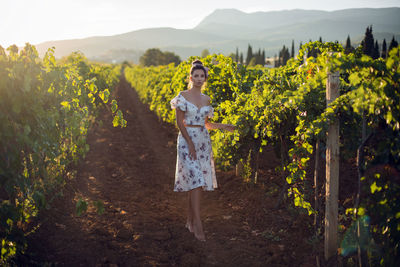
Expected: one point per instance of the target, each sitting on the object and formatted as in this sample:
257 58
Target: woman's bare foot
198 232
189 226
201 238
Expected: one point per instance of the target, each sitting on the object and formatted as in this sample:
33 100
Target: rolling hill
224 30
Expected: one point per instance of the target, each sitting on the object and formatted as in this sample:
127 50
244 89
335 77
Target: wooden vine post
332 172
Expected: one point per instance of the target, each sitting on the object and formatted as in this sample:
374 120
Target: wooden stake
332 172
239 168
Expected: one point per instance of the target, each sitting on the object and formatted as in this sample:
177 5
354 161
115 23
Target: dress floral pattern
190 173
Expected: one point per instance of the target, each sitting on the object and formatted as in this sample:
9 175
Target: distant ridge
224 30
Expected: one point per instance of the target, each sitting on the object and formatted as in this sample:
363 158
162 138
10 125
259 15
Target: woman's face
198 78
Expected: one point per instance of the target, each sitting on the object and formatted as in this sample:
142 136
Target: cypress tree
237 55
375 52
241 58
393 44
258 57
292 50
263 57
384 49
249 54
368 46
348 49
284 55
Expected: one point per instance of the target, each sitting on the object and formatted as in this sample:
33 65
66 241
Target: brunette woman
195 166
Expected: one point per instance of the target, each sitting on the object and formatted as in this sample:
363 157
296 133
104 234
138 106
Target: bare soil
131 171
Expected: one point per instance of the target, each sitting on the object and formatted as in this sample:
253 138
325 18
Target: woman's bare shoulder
206 98
184 92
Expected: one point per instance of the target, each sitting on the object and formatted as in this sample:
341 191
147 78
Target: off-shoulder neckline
180 93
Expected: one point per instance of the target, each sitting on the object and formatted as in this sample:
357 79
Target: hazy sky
36 21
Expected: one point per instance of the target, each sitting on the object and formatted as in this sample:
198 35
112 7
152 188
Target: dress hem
204 189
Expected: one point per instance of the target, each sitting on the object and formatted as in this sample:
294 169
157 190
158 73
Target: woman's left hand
229 127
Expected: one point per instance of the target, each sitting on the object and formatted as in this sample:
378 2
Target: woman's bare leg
197 226
189 222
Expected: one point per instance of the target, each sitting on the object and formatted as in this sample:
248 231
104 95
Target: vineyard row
286 108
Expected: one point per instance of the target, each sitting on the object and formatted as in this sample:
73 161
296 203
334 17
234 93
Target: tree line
370 47
155 57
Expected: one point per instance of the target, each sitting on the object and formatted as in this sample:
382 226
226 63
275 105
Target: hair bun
197 62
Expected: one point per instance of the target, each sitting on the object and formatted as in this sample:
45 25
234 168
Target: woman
195 166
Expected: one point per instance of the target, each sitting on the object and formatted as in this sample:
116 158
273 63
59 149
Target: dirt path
132 171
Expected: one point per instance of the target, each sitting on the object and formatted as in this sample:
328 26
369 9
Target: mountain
224 30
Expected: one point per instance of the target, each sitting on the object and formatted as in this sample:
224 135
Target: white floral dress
190 173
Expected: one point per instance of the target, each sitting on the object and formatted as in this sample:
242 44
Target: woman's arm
180 116
216 126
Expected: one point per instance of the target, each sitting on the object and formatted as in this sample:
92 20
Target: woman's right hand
192 151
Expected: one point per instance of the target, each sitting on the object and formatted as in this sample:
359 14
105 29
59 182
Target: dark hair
198 65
